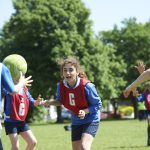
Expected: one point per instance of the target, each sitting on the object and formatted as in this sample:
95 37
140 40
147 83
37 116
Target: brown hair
82 75
73 61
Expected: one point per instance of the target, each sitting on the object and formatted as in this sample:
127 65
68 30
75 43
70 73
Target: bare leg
76 145
83 144
14 141
30 139
148 130
1 145
87 140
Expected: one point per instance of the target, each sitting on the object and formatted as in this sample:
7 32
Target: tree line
45 31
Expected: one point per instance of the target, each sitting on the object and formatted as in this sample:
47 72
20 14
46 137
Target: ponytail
82 75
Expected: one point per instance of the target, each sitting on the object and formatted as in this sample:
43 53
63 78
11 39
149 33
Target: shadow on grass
126 147
66 122
48 123
113 119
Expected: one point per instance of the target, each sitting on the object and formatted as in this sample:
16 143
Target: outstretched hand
25 81
140 67
22 83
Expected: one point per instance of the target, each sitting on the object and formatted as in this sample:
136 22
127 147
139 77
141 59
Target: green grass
112 135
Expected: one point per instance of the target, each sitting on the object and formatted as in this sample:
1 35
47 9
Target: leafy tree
43 31
132 43
105 70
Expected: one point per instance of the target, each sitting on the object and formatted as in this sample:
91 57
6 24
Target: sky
104 13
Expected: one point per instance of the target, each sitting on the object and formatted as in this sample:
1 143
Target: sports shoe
67 128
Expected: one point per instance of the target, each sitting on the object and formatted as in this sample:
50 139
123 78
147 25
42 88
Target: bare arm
55 103
142 78
52 102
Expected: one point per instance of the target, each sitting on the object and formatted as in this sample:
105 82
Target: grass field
112 135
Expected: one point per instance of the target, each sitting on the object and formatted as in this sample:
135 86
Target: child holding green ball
16 106
7 83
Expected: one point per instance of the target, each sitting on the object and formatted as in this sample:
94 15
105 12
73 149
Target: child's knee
34 143
15 147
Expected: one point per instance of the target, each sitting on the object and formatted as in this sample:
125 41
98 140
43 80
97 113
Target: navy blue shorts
78 130
15 127
148 113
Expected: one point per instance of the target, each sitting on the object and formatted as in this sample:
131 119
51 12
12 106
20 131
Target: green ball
16 64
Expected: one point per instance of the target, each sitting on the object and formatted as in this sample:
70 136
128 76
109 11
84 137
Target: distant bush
126 110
